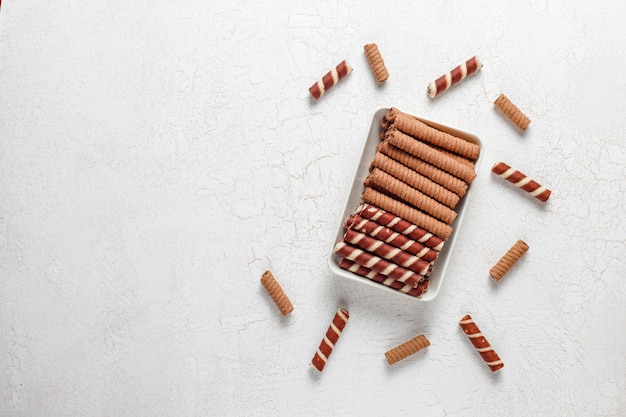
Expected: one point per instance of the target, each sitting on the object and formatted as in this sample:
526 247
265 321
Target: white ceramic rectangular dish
354 199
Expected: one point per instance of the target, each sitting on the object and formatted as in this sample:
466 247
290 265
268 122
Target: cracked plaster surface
157 157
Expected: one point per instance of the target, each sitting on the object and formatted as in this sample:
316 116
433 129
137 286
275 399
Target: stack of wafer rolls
417 178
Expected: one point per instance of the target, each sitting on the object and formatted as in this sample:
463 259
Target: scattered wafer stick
452 183
406 212
430 155
453 77
406 349
376 62
522 181
275 291
330 339
480 343
512 112
384 280
331 78
420 130
508 260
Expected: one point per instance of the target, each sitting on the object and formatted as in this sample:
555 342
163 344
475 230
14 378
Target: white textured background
156 157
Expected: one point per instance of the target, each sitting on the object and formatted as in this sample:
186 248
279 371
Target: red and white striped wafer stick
401 226
331 78
330 339
381 279
455 76
480 343
378 264
386 251
522 181
387 235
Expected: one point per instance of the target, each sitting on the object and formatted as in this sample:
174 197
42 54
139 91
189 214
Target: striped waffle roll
480 343
330 339
522 181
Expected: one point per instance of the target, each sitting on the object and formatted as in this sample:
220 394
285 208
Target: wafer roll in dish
437 175
430 155
420 130
414 179
386 251
400 225
460 159
378 264
406 212
384 182
384 280
390 237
